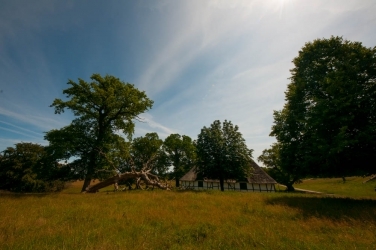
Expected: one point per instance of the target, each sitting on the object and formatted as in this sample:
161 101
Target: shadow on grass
22 195
194 191
330 207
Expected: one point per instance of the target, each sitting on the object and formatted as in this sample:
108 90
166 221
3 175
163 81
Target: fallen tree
144 175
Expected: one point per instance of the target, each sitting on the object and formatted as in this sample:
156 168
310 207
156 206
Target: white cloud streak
18 132
23 129
42 122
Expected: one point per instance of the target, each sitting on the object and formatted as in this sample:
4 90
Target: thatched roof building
258 181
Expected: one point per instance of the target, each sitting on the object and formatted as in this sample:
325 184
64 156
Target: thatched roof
191 175
258 176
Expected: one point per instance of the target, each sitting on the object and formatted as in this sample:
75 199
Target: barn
258 181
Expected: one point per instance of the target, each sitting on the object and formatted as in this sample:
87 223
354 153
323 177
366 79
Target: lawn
186 220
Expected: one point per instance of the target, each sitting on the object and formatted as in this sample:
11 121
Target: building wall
245 187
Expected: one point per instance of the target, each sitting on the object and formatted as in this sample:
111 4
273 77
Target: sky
198 60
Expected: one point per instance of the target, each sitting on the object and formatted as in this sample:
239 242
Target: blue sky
199 60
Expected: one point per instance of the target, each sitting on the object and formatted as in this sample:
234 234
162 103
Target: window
200 184
243 186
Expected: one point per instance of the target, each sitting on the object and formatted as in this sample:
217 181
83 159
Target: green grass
353 187
185 220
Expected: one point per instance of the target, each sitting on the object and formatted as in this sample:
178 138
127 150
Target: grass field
353 187
190 220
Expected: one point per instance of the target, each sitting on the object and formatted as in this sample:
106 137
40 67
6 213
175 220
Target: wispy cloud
199 31
155 126
22 129
18 132
42 122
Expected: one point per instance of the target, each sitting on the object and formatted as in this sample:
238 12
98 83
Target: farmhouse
258 181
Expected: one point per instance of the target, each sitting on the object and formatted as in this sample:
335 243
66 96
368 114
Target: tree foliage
222 153
28 168
147 150
271 159
145 164
328 124
181 154
102 108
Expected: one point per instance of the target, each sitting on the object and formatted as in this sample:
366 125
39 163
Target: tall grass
353 187
185 220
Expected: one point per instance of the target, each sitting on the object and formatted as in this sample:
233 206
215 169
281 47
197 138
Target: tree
28 168
102 107
146 160
328 124
222 153
146 151
271 159
181 154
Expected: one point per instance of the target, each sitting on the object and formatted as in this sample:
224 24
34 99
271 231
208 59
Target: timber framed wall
242 186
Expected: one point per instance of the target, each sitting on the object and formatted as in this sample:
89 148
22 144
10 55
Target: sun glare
280 5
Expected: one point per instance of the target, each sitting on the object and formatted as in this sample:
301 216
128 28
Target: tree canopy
28 168
328 124
103 108
147 150
287 175
181 154
222 153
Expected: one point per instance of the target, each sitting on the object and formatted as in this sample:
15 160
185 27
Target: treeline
29 167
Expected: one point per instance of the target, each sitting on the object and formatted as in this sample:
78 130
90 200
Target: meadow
191 220
353 187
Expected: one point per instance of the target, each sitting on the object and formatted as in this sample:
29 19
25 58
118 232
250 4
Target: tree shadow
330 207
23 195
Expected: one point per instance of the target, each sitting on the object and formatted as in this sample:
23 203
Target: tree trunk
290 187
221 182
86 183
177 181
88 178
90 171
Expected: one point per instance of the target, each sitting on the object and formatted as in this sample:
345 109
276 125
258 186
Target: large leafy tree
328 124
222 153
75 142
103 108
27 167
181 154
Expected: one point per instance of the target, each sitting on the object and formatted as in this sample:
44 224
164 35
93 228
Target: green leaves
146 150
103 108
28 168
222 152
181 154
107 101
327 126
